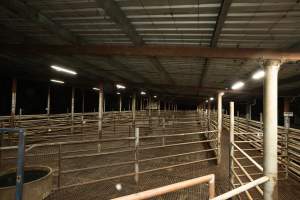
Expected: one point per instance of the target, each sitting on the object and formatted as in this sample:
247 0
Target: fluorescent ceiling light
119 86
97 89
57 81
143 93
206 101
155 97
211 98
61 69
258 75
238 85
118 93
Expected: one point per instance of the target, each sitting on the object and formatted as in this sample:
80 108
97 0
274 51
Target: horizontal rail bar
172 188
242 188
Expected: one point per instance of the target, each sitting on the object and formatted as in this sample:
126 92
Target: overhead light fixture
154 96
237 85
57 81
211 98
97 89
143 93
119 86
61 69
118 93
258 75
206 101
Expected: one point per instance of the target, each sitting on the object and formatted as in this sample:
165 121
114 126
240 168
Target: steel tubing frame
210 179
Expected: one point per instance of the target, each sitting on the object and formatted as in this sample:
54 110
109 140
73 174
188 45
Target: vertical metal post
104 104
13 101
141 103
20 165
238 121
261 121
286 108
82 110
136 155
149 112
220 95
72 109
158 107
270 129
48 102
208 115
129 104
231 147
120 103
59 166
100 114
133 102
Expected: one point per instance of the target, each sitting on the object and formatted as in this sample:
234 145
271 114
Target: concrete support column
72 109
13 101
270 128
220 95
120 103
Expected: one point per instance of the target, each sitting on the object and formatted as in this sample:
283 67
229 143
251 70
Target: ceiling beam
163 72
25 11
115 13
225 5
289 80
22 10
121 66
158 50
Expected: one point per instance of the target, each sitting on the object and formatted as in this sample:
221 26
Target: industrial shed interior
149 99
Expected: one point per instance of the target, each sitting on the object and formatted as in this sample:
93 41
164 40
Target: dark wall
32 98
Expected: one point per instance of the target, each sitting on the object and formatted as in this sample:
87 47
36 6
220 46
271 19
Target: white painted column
48 105
136 154
208 114
48 101
133 106
231 147
220 95
72 109
13 101
120 103
100 114
286 108
270 128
